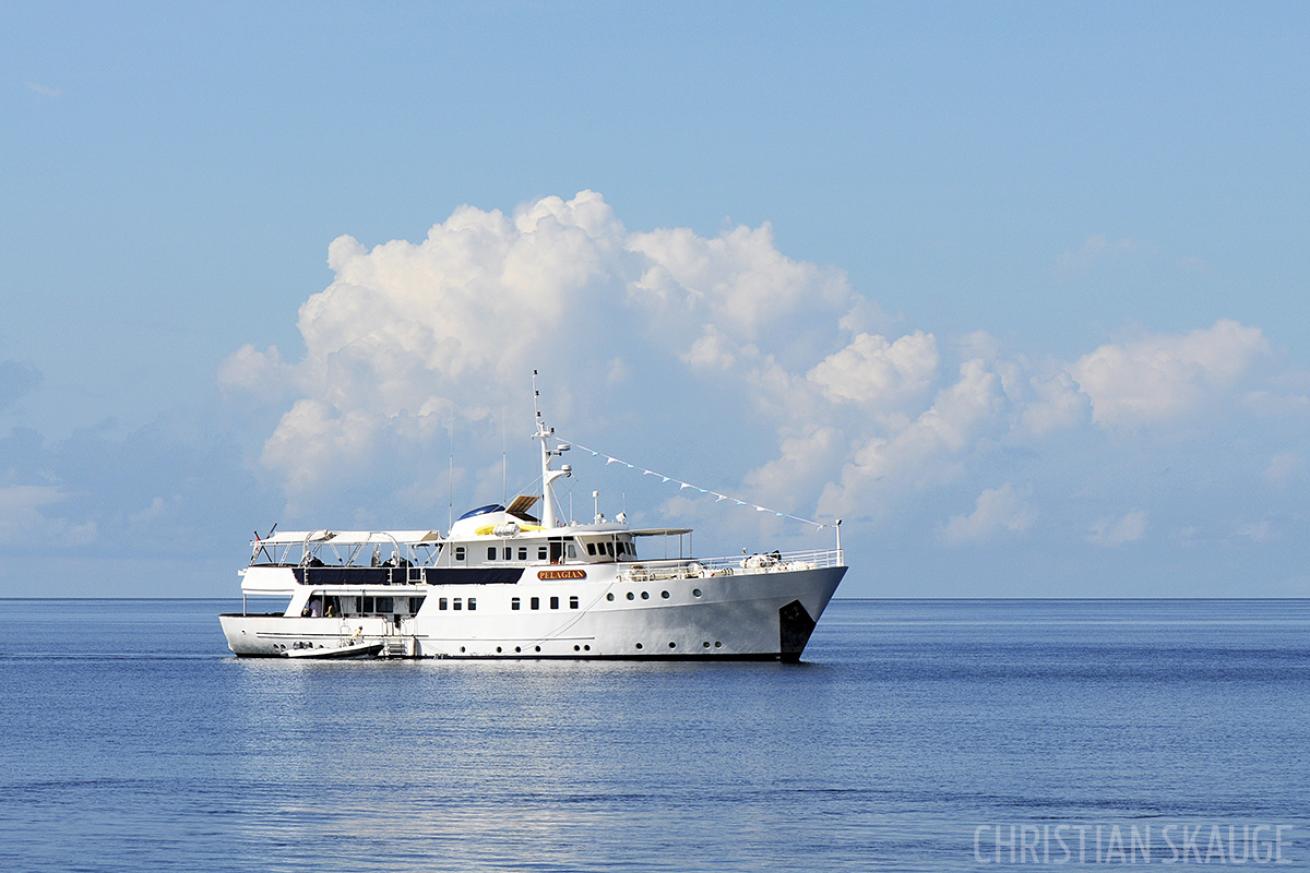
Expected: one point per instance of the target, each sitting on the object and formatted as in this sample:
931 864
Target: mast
548 476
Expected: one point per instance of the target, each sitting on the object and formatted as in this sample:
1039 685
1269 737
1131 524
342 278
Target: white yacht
503 583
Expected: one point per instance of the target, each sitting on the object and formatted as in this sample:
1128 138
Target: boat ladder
397 647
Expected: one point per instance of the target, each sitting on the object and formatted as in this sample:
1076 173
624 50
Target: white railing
737 565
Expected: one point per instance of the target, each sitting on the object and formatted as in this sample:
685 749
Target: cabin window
571 550
366 605
491 553
523 553
535 603
541 553
591 548
509 554
609 549
383 604
459 604
459 553
554 603
415 603
573 603
514 603
473 604
443 603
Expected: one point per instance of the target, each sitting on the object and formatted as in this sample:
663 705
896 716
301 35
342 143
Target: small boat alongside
503 583
345 650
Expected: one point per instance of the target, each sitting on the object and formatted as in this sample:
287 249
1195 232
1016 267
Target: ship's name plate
561 574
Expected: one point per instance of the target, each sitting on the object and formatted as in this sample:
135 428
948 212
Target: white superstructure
502 583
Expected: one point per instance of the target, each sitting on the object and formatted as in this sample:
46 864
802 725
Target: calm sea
920 735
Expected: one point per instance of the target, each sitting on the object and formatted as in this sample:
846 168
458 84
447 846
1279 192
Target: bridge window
535 603
573 603
509 554
514 603
459 604
554 603
541 553
523 553
459 553
491 553
571 550
442 603
473 603
591 548
414 605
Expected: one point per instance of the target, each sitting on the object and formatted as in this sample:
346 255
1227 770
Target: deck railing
736 565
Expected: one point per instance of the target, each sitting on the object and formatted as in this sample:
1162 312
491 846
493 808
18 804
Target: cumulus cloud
409 336
996 511
24 519
875 372
1116 531
411 340
924 448
1160 377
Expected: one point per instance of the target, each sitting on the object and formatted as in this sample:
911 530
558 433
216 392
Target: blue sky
1018 289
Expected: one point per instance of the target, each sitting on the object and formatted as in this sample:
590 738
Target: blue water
130 740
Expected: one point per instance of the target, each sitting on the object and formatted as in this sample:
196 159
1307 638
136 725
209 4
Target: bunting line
682 486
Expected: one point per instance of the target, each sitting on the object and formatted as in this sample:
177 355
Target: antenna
504 461
536 399
450 481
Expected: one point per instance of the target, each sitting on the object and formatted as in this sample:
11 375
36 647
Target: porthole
639 645
517 649
673 645
706 644
609 596
631 596
577 648
497 650
461 650
586 648
717 644
538 648
645 595
695 592
664 594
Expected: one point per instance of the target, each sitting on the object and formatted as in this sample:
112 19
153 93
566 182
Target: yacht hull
757 616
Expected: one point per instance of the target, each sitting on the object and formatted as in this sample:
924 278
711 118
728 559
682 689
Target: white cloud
873 372
1161 377
410 339
44 90
1055 404
24 520
1283 468
996 511
923 448
258 372
711 350
1094 249
739 280
1257 531
1116 531
409 335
